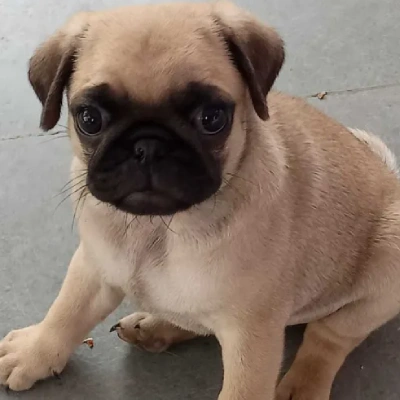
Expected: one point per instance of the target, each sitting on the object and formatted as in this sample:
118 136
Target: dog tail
378 147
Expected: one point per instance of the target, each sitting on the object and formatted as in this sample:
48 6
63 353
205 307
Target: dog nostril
149 150
140 153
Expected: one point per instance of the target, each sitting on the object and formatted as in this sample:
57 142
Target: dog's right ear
51 66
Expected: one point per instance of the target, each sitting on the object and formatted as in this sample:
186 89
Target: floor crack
353 90
29 135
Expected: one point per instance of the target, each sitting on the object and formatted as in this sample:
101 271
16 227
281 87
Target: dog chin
151 203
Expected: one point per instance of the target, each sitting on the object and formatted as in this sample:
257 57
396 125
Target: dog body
257 213
181 274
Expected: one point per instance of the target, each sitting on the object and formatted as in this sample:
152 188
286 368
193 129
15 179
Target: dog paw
149 332
143 330
299 387
29 355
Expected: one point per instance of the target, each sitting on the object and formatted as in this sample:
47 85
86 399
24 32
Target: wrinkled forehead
149 58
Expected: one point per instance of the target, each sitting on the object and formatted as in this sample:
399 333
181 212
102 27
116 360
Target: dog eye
212 120
89 120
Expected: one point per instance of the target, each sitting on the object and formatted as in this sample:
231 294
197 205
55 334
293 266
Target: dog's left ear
256 49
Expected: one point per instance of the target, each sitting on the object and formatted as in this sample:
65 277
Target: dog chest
186 282
180 279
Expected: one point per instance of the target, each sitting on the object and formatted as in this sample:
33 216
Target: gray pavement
347 47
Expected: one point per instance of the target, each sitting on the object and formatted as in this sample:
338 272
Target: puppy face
158 98
153 158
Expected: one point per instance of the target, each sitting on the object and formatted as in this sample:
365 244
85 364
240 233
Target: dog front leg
42 350
252 352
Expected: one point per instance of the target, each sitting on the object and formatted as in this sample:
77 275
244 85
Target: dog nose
149 150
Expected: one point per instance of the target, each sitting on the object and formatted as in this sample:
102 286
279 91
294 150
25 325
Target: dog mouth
150 202
144 200
159 190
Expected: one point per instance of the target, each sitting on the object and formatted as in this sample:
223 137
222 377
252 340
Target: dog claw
115 327
56 375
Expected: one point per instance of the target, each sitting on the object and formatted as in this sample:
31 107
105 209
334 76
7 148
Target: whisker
72 179
138 220
83 203
167 225
240 177
73 186
170 222
77 207
126 224
231 186
67 197
134 218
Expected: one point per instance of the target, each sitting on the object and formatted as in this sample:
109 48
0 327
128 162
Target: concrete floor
347 47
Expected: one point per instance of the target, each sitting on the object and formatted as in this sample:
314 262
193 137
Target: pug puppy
219 207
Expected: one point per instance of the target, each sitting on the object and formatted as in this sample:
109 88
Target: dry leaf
321 95
89 342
